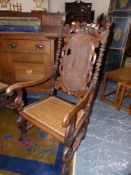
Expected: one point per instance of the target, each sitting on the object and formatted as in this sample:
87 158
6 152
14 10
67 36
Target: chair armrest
88 96
10 90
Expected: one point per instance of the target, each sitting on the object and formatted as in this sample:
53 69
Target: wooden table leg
117 95
121 96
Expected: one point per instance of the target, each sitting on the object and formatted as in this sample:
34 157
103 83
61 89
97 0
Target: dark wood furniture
79 11
122 77
76 72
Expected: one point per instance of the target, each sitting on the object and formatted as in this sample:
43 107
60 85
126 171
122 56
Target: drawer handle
12 45
39 46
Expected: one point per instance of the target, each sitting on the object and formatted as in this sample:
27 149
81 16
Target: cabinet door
30 66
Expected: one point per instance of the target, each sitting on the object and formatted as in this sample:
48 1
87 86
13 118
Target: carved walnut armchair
76 72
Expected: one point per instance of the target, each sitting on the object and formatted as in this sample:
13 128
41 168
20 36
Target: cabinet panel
29 71
7 75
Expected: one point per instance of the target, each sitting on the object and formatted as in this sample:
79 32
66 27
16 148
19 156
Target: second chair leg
66 160
122 93
103 88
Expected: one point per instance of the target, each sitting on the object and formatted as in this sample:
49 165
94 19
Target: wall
58 5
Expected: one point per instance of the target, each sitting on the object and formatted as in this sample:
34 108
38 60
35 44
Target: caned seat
49 114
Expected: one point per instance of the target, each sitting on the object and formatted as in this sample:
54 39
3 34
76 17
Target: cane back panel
75 70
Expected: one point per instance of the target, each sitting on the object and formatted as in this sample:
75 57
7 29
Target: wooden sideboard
26 56
29 55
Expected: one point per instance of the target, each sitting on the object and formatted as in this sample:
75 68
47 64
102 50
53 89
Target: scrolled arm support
17 90
10 90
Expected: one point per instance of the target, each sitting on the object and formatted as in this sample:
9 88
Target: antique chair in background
76 73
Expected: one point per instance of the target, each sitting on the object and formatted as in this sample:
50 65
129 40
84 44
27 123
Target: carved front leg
22 125
67 156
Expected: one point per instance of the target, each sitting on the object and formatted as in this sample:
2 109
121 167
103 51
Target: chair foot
67 156
65 169
22 125
70 149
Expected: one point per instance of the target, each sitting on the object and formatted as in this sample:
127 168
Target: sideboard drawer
39 46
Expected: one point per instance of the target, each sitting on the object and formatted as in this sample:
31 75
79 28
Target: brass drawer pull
12 45
39 46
